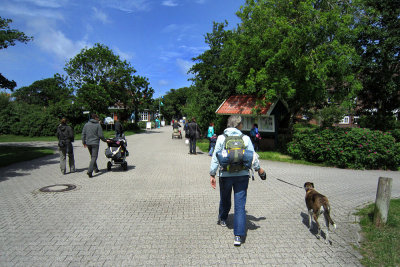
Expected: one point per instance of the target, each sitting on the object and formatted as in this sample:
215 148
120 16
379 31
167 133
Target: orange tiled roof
241 105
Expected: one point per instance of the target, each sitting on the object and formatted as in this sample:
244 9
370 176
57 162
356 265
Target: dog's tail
327 213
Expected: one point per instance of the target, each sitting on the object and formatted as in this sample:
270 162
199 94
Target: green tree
175 101
295 51
140 95
99 77
8 37
378 44
44 92
211 83
4 99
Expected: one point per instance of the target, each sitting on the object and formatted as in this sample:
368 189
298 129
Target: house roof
242 105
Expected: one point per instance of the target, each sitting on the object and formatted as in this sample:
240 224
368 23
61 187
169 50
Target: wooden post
382 201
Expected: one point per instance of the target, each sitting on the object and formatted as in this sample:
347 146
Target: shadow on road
314 229
14 170
250 225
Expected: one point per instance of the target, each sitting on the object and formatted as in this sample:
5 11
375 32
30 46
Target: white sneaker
238 241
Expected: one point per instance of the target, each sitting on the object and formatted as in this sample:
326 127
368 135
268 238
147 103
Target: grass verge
17 138
14 154
381 245
265 155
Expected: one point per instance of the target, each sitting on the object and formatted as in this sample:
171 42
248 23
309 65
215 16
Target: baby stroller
176 133
117 153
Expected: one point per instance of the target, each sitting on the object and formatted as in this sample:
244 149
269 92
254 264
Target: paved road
163 212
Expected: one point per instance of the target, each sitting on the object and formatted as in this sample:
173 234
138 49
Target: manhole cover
58 188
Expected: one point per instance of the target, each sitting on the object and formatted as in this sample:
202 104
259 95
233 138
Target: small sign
86 112
148 125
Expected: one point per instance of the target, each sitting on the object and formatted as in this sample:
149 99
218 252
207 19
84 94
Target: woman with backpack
235 179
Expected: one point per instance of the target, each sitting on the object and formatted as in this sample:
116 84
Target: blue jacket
220 146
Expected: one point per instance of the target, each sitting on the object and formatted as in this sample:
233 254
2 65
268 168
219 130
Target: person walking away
194 134
255 137
210 133
213 141
91 136
238 180
176 125
119 131
65 135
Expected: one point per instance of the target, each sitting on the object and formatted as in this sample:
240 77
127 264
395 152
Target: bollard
382 201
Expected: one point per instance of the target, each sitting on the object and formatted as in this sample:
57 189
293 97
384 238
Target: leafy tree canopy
211 82
140 95
100 78
175 101
8 37
44 92
295 51
378 43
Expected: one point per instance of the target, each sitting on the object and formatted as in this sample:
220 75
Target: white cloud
57 43
170 3
163 82
170 28
124 55
168 55
45 3
184 65
127 5
26 11
100 15
54 41
195 50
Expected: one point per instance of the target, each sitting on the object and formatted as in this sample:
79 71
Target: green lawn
18 138
14 154
266 155
381 246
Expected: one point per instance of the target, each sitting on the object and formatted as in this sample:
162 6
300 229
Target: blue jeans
239 185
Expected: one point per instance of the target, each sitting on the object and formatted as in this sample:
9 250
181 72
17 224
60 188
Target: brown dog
318 204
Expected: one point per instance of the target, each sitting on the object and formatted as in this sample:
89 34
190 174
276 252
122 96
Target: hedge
356 148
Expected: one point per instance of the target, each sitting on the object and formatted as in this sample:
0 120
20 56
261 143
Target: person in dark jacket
91 136
176 125
65 135
118 128
194 133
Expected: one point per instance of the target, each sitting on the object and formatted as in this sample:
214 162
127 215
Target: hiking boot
238 241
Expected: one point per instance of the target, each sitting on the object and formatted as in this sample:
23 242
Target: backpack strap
225 140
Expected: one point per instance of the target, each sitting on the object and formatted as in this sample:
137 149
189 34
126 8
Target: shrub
129 126
142 124
346 148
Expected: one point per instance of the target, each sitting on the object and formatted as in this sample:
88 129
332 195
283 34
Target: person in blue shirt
210 133
238 181
254 135
213 142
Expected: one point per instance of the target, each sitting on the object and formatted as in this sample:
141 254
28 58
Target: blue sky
158 38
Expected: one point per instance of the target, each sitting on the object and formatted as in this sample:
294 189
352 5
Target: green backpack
235 147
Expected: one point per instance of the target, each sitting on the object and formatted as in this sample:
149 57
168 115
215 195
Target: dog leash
289 183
